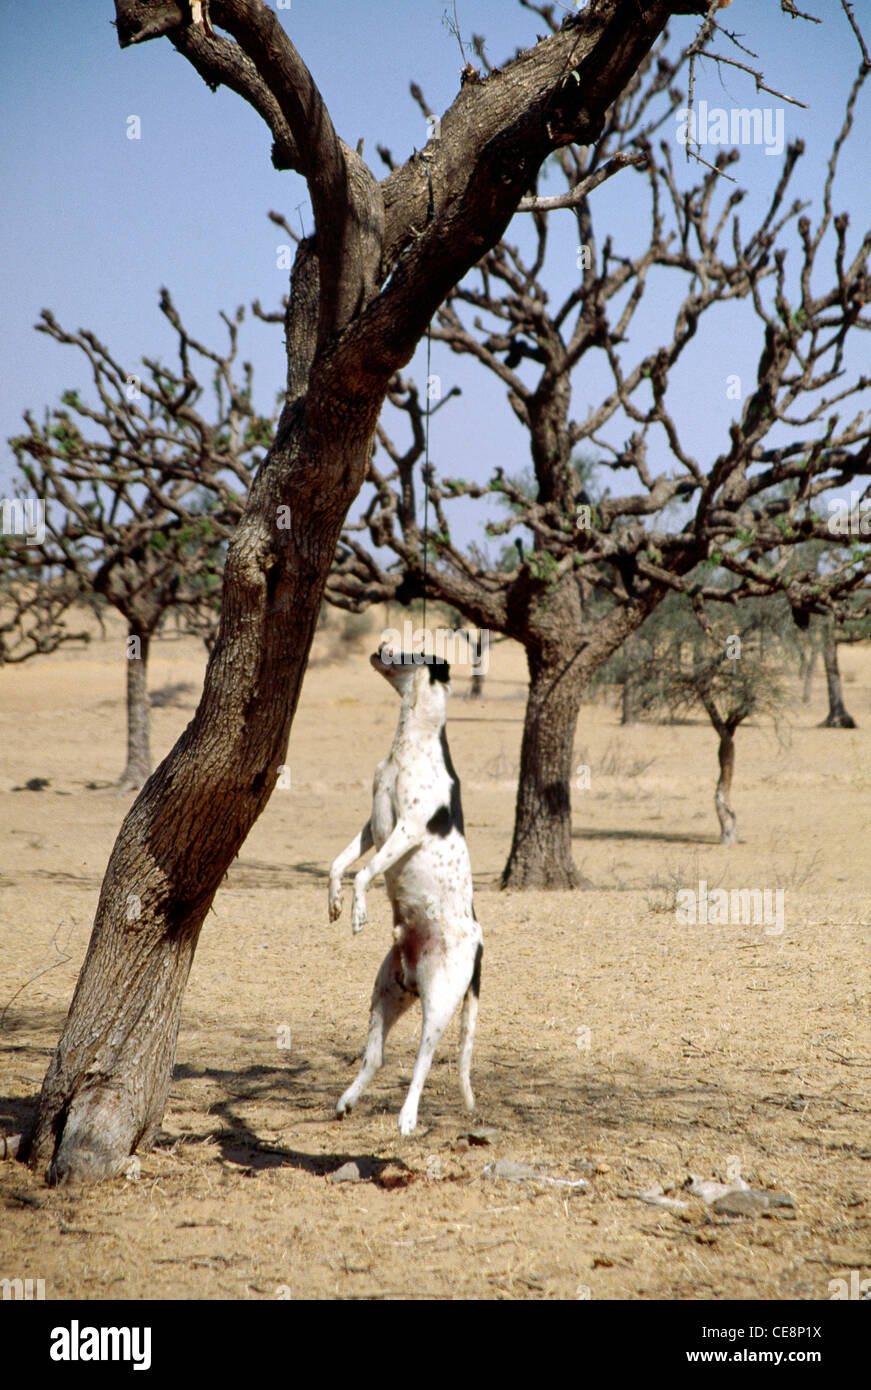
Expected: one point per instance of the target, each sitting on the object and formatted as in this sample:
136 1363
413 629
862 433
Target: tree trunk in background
138 768
722 796
807 673
541 851
837 718
631 712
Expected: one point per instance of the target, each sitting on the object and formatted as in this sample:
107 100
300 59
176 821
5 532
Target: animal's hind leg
441 989
468 1019
390 999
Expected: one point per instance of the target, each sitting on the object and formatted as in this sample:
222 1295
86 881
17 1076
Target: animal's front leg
401 839
358 846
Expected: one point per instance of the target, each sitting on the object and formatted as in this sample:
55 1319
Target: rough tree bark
541 848
838 716
560 670
107 1084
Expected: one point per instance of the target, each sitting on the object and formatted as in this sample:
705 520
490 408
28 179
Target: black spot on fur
439 670
456 805
475 986
440 823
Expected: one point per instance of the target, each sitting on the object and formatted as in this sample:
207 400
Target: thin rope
429 218
426 471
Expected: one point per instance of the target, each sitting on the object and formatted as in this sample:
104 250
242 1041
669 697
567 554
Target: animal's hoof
407 1124
358 918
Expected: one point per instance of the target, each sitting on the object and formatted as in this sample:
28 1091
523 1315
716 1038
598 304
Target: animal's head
400 668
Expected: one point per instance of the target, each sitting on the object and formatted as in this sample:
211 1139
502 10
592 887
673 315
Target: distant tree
838 630
732 662
845 622
142 491
35 605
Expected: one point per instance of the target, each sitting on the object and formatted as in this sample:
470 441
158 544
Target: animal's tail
468 1019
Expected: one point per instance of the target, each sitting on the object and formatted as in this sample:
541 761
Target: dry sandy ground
613 1042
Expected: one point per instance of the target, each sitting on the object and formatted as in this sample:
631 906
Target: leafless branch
848 11
581 190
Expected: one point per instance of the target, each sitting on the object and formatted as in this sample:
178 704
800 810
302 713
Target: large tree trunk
837 718
723 794
138 768
105 1091
541 851
106 1087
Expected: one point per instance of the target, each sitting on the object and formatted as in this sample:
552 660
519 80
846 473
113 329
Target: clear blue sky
93 223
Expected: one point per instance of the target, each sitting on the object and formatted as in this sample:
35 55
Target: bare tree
849 620
732 661
361 294
748 506
142 490
35 606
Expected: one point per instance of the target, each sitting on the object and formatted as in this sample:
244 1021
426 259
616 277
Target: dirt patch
614 1043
